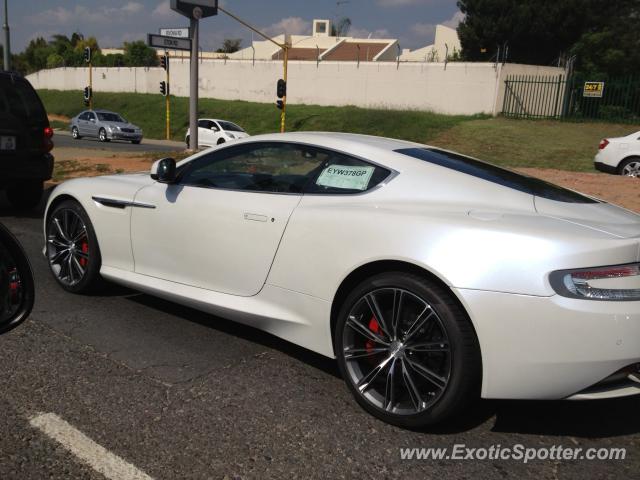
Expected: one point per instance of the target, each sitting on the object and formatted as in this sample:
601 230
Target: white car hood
602 217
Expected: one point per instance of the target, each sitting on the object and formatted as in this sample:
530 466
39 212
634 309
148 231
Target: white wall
461 88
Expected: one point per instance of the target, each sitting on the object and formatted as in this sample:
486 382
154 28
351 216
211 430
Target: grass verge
148 112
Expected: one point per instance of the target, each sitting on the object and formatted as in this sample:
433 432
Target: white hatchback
620 155
213 132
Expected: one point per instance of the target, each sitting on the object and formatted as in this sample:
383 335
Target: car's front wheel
102 135
407 350
72 248
630 167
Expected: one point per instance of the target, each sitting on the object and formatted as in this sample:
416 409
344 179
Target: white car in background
213 132
430 276
619 155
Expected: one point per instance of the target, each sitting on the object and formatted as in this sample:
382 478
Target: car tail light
603 143
48 143
616 283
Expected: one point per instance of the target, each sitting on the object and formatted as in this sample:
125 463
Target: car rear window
19 99
494 174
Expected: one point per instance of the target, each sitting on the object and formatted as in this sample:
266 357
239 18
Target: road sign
170 43
195 9
175 32
593 89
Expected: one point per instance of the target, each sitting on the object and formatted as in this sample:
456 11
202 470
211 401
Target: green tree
230 45
139 54
55 60
535 31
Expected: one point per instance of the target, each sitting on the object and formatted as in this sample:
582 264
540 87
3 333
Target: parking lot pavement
175 393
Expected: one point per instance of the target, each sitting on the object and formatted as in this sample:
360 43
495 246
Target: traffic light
280 104
164 88
87 95
87 54
164 62
282 88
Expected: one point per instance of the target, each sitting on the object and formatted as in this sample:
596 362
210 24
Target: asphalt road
178 394
64 140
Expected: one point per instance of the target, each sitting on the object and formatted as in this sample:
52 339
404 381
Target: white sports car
432 277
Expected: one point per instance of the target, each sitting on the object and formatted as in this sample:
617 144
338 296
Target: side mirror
92 120
164 170
17 291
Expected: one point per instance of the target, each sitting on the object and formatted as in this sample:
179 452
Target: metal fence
575 98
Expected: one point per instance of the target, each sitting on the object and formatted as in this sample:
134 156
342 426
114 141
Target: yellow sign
593 89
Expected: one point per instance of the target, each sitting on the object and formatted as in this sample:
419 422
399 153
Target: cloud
404 3
423 29
162 10
82 14
290 25
454 21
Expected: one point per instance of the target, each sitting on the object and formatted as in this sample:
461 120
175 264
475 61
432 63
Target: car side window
203 123
91 115
84 116
215 127
271 167
343 174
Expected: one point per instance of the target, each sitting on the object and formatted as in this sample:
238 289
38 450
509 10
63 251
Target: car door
92 124
83 119
219 226
205 134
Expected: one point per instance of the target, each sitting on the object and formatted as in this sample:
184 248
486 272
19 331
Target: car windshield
230 127
494 174
110 117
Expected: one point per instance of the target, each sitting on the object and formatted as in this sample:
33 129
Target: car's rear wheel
25 194
187 141
102 135
75 133
72 248
630 167
407 350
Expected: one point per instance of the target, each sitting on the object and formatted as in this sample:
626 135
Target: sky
113 22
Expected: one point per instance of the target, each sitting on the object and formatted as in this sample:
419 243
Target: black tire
91 280
102 135
75 133
221 141
136 142
634 166
187 141
460 352
25 194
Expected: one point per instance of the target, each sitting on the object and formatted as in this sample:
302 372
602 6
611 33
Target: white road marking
96 456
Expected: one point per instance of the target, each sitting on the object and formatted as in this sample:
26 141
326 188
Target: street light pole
7 43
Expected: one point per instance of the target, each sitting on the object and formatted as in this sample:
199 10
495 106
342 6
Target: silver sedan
105 126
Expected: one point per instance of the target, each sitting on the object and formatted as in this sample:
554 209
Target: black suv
25 142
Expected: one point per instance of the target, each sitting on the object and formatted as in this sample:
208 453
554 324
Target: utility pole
7 38
193 87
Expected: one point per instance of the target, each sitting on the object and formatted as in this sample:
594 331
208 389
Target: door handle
255 217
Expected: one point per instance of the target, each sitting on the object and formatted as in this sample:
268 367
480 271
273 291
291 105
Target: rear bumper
553 347
603 167
38 167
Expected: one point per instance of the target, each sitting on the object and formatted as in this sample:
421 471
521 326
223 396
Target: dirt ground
623 191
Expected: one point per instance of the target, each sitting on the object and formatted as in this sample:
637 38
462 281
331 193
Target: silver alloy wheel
103 135
67 246
632 169
74 132
396 351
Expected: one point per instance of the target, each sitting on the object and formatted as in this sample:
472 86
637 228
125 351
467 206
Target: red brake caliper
85 249
375 328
